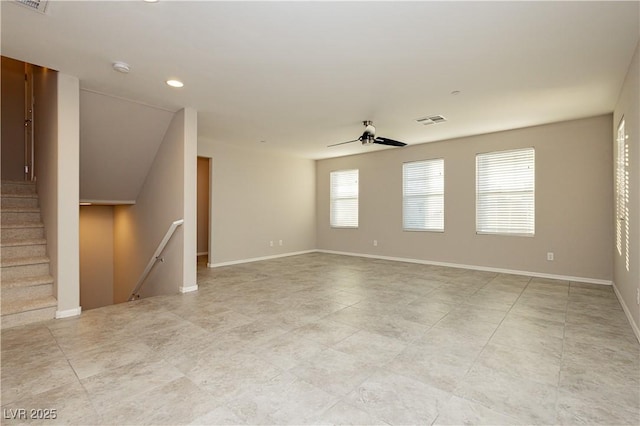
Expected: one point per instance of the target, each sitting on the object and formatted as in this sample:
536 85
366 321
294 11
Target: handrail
135 294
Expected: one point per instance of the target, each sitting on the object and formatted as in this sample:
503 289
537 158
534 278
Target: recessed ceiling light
151 1
175 83
122 67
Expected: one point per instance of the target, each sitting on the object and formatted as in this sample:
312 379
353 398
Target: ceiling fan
369 137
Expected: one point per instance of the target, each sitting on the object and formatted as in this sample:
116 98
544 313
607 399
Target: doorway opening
204 211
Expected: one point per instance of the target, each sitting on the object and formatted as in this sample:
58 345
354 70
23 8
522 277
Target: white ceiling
302 75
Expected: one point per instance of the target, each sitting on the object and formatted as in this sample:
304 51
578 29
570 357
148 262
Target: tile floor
327 339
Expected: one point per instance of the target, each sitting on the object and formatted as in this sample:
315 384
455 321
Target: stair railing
135 294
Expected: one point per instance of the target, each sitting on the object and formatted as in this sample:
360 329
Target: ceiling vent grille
37 5
432 119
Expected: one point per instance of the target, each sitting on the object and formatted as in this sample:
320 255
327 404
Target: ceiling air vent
432 119
37 5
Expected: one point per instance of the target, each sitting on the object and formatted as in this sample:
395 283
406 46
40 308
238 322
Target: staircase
27 285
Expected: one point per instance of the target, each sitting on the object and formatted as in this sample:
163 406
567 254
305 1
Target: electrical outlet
280 242
271 243
550 256
375 243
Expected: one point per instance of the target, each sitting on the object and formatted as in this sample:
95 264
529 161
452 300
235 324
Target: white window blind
622 194
344 199
505 192
423 195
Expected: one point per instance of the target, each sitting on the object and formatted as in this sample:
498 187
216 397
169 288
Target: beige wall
168 194
68 274
258 197
203 205
12 77
573 208
96 256
627 283
46 153
57 145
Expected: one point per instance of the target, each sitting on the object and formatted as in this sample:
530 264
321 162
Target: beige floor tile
218 416
334 371
574 409
66 404
371 348
530 402
227 377
175 403
102 358
19 382
528 338
109 388
330 339
345 414
398 399
535 366
326 331
288 350
443 370
459 411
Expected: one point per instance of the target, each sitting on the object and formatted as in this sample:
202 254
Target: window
622 194
344 199
423 195
505 198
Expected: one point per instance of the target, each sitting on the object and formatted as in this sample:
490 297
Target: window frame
622 193
425 194
334 198
482 192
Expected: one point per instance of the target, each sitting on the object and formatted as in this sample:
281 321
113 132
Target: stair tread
20 210
18 182
18 195
32 304
15 242
27 282
22 261
25 224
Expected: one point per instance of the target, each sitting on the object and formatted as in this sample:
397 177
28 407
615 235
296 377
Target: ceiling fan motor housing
369 133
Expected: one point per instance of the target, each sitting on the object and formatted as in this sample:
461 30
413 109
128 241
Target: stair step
20 313
20 293
28 317
24 267
20 214
20 242
21 230
18 187
28 305
23 248
26 282
24 261
18 200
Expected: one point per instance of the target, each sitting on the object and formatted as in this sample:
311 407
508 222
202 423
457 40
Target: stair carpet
27 285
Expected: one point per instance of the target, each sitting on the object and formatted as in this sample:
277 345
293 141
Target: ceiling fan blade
342 143
390 142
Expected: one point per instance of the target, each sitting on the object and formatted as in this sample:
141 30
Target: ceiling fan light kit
369 137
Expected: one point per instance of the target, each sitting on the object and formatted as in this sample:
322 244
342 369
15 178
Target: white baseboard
475 267
627 312
188 289
67 313
258 259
